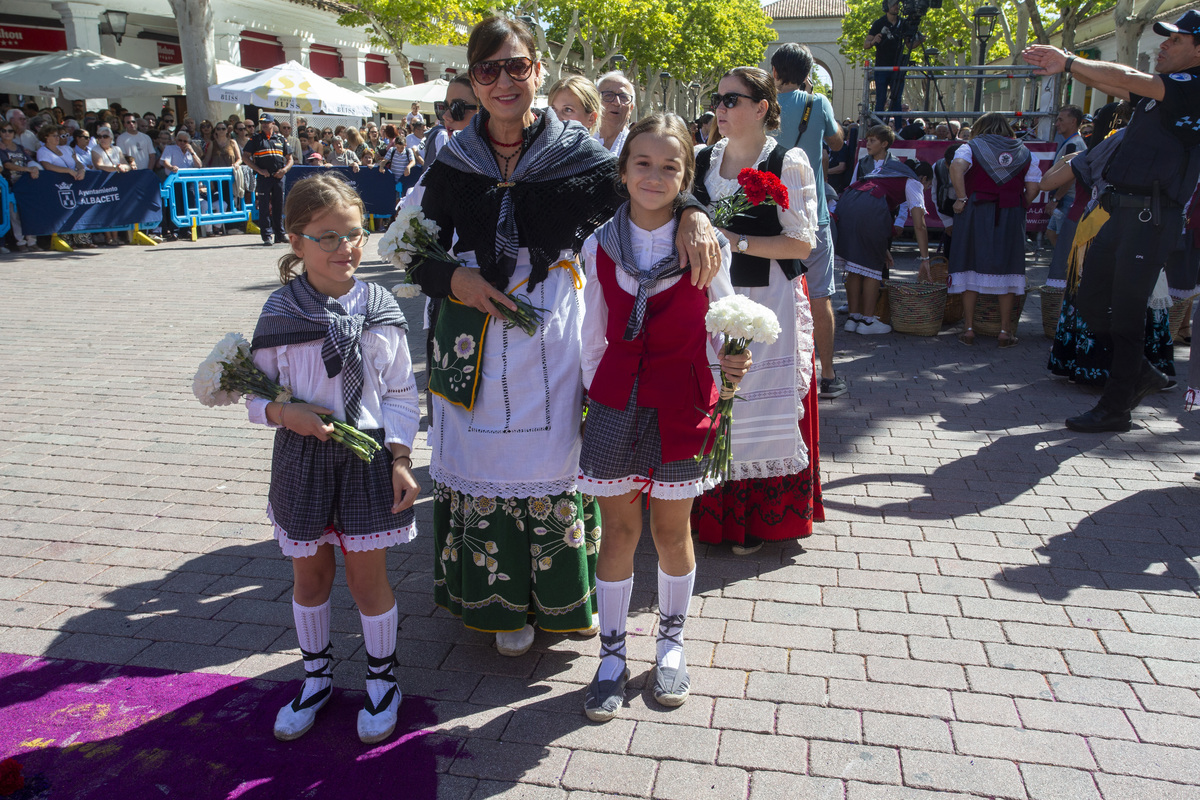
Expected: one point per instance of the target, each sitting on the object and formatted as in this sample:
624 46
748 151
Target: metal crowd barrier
195 197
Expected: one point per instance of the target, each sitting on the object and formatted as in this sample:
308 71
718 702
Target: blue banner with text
57 203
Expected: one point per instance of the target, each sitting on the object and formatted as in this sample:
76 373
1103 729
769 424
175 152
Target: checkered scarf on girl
616 239
298 313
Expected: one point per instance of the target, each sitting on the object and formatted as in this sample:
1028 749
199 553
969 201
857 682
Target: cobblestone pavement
995 607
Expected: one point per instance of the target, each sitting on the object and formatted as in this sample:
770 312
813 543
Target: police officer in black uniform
1151 177
271 157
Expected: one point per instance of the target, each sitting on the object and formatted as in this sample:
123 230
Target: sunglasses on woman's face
485 73
729 100
7 130
103 135
240 128
458 109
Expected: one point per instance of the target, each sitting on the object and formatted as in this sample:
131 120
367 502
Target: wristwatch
742 244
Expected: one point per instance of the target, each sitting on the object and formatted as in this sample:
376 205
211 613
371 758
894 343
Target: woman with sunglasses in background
16 162
107 157
775 492
617 102
515 194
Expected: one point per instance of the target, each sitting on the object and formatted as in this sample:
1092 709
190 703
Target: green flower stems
721 458
243 377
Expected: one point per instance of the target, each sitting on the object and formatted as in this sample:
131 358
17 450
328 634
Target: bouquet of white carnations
229 372
413 236
741 321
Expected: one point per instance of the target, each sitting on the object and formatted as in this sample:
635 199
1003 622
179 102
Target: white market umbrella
292 87
82 74
226 71
401 99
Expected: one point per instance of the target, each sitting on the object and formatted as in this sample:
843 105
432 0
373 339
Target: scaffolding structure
1040 93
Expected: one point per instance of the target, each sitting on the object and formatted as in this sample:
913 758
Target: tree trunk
196 44
1130 26
395 45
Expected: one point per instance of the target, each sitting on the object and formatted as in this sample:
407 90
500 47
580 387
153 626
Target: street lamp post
694 88
665 78
985 23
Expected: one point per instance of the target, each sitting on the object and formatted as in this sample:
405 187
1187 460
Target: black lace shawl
551 215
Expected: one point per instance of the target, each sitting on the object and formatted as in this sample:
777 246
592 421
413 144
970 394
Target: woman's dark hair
669 126
464 80
490 35
43 133
792 63
761 87
922 169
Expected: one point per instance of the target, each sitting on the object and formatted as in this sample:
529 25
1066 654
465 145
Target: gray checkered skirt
622 452
321 492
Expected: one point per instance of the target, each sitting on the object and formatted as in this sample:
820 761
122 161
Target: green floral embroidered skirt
501 560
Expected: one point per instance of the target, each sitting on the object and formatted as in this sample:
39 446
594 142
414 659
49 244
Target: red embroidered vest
1008 195
888 188
668 359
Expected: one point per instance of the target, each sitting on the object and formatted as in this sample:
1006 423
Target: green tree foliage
692 40
394 23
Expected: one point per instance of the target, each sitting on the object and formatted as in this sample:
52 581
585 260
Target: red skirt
771 509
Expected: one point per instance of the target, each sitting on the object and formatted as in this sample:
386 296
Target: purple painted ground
84 730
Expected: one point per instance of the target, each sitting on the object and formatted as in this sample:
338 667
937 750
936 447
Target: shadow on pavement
1144 543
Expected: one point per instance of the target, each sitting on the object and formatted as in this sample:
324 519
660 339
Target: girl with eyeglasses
515 193
775 492
323 497
16 162
618 100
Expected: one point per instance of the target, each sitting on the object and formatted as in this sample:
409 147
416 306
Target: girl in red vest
650 389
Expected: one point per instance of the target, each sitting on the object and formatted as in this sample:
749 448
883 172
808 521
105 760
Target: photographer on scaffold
885 36
1151 176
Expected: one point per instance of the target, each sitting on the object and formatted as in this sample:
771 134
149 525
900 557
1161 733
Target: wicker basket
917 308
1052 299
1179 317
883 306
939 272
987 314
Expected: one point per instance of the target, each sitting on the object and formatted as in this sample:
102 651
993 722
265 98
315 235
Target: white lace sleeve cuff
799 221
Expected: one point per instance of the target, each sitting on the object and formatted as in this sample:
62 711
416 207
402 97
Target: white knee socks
674 596
379 636
312 629
613 599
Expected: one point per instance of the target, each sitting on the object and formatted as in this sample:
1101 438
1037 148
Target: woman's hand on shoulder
734 368
304 419
405 488
698 246
470 289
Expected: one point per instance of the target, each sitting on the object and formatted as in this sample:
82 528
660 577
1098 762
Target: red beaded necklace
498 143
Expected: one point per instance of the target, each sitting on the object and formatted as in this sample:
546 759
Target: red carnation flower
777 190
754 185
11 779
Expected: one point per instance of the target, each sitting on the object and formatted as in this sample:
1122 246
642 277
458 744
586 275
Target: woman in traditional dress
995 179
775 492
515 194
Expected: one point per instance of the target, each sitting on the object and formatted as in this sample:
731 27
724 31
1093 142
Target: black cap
1188 23
265 118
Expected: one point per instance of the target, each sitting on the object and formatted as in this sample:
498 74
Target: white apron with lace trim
766 431
521 438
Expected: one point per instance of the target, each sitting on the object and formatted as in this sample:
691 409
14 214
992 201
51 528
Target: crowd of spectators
74 140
